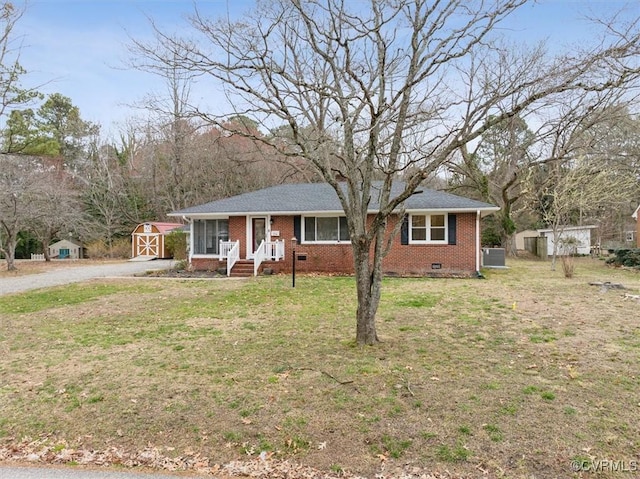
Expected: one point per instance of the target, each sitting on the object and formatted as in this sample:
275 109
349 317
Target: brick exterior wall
417 259
638 230
403 260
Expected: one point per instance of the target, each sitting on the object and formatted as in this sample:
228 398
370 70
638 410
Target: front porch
266 252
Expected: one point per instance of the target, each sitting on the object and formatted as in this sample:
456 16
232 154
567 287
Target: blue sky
78 47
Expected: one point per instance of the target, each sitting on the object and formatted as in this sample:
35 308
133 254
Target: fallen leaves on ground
45 451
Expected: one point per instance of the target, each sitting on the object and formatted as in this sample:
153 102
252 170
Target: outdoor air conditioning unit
493 258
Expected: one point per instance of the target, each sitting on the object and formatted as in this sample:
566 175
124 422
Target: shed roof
65 241
568 228
320 197
164 227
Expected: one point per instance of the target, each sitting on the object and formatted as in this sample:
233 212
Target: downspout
478 243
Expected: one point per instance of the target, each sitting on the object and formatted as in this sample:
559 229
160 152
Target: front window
325 229
207 235
428 229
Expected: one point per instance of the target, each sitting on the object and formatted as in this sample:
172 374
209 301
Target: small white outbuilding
577 236
65 249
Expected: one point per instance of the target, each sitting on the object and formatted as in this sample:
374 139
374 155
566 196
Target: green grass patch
494 432
394 446
541 335
425 300
72 294
456 453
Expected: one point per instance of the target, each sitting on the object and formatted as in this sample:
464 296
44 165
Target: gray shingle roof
320 197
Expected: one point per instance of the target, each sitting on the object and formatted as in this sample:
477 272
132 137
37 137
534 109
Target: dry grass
517 375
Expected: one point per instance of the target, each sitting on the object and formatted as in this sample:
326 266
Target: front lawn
517 374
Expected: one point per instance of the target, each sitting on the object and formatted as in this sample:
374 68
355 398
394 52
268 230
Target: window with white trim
428 228
325 229
207 235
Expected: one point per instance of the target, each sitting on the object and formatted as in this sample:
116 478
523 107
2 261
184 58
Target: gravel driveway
77 274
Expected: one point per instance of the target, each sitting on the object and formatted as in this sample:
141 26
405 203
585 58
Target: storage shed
65 249
148 240
579 235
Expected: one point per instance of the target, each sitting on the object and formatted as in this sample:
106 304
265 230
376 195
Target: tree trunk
368 297
10 254
9 246
555 236
46 241
511 248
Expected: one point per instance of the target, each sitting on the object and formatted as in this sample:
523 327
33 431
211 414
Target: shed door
148 245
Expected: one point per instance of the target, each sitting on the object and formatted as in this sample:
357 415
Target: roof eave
202 215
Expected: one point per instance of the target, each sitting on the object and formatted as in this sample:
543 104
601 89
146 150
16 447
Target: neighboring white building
581 235
65 249
522 235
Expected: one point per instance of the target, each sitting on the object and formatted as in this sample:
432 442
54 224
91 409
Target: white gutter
219 215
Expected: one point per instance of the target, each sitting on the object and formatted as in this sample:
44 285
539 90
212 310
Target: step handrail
233 256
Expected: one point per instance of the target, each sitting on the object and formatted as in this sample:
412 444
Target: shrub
176 243
568 248
629 257
97 250
181 265
120 248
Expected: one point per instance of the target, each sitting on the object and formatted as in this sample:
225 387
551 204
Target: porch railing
275 250
225 247
231 251
268 250
259 256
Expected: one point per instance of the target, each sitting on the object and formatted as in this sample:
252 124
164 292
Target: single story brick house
440 233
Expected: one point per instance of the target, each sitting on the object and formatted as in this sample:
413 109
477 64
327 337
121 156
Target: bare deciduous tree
371 91
511 160
495 171
187 161
12 93
22 178
59 208
578 187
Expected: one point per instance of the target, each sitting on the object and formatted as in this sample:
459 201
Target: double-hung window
428 228
207 235
325 229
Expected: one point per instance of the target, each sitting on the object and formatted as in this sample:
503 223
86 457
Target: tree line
60 180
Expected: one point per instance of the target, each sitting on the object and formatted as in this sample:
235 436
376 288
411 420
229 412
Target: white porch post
191 238
478 241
